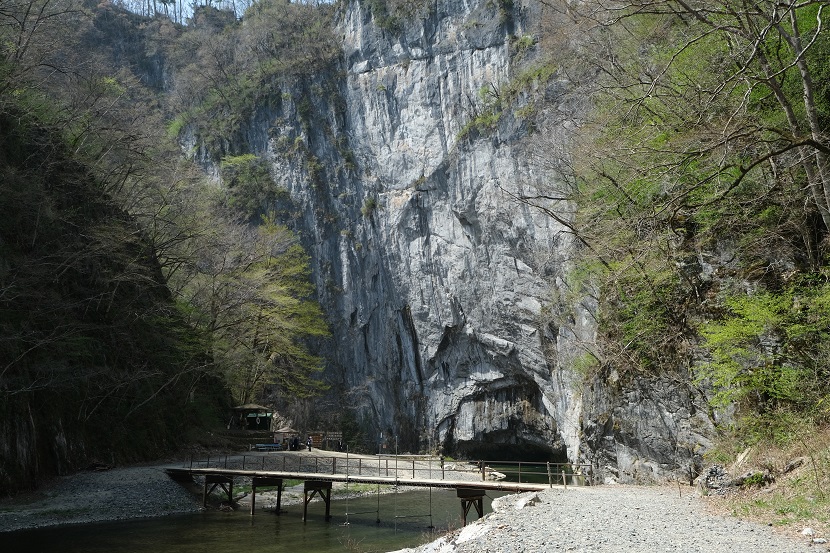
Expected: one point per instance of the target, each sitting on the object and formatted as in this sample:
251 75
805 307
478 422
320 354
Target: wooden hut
285 436
252 417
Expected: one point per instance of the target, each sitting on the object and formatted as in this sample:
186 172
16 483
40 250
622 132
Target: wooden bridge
470 480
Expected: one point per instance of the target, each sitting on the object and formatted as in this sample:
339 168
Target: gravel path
611 519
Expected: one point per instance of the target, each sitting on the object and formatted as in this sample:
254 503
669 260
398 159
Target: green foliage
370 204
134 294
675 162
481 123
112 297
524 42
305 110
585 365
773 440
392 14
816 58
769 351
639 323
88 324
754 480
251 190
223 73
174 128
496 101
251 293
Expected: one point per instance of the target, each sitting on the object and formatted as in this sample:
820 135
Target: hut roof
251 407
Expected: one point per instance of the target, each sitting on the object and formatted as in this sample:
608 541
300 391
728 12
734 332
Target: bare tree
766 51
30 35
704 120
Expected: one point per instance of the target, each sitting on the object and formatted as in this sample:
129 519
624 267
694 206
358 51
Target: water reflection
404 522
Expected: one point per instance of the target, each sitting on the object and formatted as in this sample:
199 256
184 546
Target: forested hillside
701 176
701 179
137 301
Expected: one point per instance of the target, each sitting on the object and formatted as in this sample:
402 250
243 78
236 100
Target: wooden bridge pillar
225 482
471 497
317 486
264 481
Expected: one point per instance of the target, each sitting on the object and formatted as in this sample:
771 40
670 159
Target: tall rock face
645 429
434 276
429 269
442 309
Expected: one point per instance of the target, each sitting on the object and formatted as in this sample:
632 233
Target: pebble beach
96 496
612 519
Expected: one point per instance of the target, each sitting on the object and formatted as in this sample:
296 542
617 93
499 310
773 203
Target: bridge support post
225 482
317 486
470 497
263 481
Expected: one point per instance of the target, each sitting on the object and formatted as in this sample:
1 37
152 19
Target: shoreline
596 519
611 519
132 492
116 494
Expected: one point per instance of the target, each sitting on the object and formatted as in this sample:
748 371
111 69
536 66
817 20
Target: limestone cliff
436 280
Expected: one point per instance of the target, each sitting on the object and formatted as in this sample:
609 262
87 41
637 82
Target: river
404 522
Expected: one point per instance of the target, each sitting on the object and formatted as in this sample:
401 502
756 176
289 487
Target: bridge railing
567 474
387 466
402 467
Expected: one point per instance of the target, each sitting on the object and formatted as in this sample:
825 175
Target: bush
369 207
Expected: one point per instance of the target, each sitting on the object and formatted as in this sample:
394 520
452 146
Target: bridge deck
388 480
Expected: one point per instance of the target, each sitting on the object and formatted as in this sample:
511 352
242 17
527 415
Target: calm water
536 473
404 522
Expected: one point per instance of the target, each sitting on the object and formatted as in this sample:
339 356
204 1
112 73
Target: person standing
308 443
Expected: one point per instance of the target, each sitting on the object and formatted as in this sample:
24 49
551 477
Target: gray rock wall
435 279
426 265
645 429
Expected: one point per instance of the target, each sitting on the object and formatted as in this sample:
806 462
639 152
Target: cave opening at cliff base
504 451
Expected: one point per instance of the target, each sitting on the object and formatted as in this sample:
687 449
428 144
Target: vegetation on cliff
97 360
701 178
137 300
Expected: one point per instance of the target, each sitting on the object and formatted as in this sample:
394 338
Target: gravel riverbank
94 496
612 519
